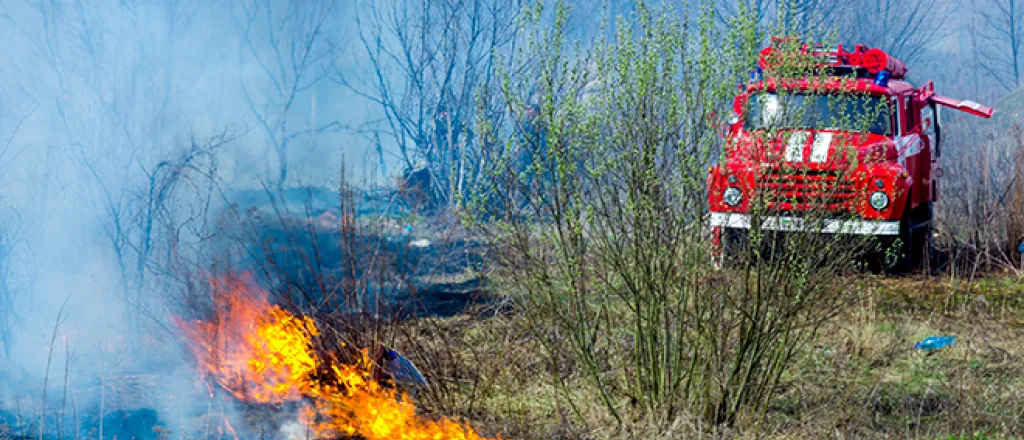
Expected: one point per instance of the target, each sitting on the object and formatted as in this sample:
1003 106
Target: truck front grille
808 190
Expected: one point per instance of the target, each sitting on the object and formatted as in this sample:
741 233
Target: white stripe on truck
825 226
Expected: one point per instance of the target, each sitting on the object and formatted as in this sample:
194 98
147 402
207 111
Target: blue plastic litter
402 369
933 343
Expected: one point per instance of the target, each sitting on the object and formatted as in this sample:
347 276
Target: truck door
921 167
934 103
926 114
912 149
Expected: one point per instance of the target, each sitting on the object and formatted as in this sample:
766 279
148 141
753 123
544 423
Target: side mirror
926 126
723 130
721 127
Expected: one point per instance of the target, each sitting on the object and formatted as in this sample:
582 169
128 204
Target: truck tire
889 254
915 240
921 238
904 259
734 243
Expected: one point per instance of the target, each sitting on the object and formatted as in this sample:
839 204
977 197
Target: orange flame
257 352
260 353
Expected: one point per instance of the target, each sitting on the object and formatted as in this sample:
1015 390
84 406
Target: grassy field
861 378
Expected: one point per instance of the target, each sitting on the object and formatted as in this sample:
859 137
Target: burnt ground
418 265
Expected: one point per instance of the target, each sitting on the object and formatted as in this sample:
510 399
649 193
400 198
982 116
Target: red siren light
872 60
875 60
762 60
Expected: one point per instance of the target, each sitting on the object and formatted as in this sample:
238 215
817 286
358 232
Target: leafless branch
425 63
291 44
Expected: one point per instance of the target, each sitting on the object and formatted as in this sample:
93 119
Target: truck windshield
858 113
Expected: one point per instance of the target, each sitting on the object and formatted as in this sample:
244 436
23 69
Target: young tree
602 233
808 17
762 11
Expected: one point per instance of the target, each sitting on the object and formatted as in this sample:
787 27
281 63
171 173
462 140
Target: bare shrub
981 201
596 213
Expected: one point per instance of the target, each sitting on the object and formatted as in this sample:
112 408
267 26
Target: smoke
94 98
293 431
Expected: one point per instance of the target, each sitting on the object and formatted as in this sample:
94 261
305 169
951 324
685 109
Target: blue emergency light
882 79
755 76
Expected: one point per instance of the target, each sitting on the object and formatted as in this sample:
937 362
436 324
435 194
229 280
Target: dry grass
862 377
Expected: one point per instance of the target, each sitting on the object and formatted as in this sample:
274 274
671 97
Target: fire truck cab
880 181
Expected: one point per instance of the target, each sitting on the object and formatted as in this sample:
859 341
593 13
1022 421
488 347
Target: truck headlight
732 196
879 200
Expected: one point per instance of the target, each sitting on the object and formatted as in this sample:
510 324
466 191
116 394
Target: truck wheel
905 259
877 258
891 254
926 250
734 243
921 238
913 251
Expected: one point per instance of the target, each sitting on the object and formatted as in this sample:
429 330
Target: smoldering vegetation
333 152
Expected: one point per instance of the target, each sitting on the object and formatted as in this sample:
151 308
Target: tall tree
291 43
8 233
998 34
906 29
426 60
112 92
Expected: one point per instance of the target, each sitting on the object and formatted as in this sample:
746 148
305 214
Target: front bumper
825 226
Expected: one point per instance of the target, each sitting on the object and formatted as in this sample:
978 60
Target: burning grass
261 353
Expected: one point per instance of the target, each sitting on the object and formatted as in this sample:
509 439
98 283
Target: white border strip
827 226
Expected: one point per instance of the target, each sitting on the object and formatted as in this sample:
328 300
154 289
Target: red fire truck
885 188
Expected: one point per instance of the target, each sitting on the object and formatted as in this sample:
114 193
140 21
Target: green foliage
596 206
973 436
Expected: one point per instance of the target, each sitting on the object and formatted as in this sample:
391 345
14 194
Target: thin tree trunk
1015 229
46 374
74 413
103 391
64 398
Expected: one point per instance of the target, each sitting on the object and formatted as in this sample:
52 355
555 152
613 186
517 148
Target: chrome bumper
826 226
